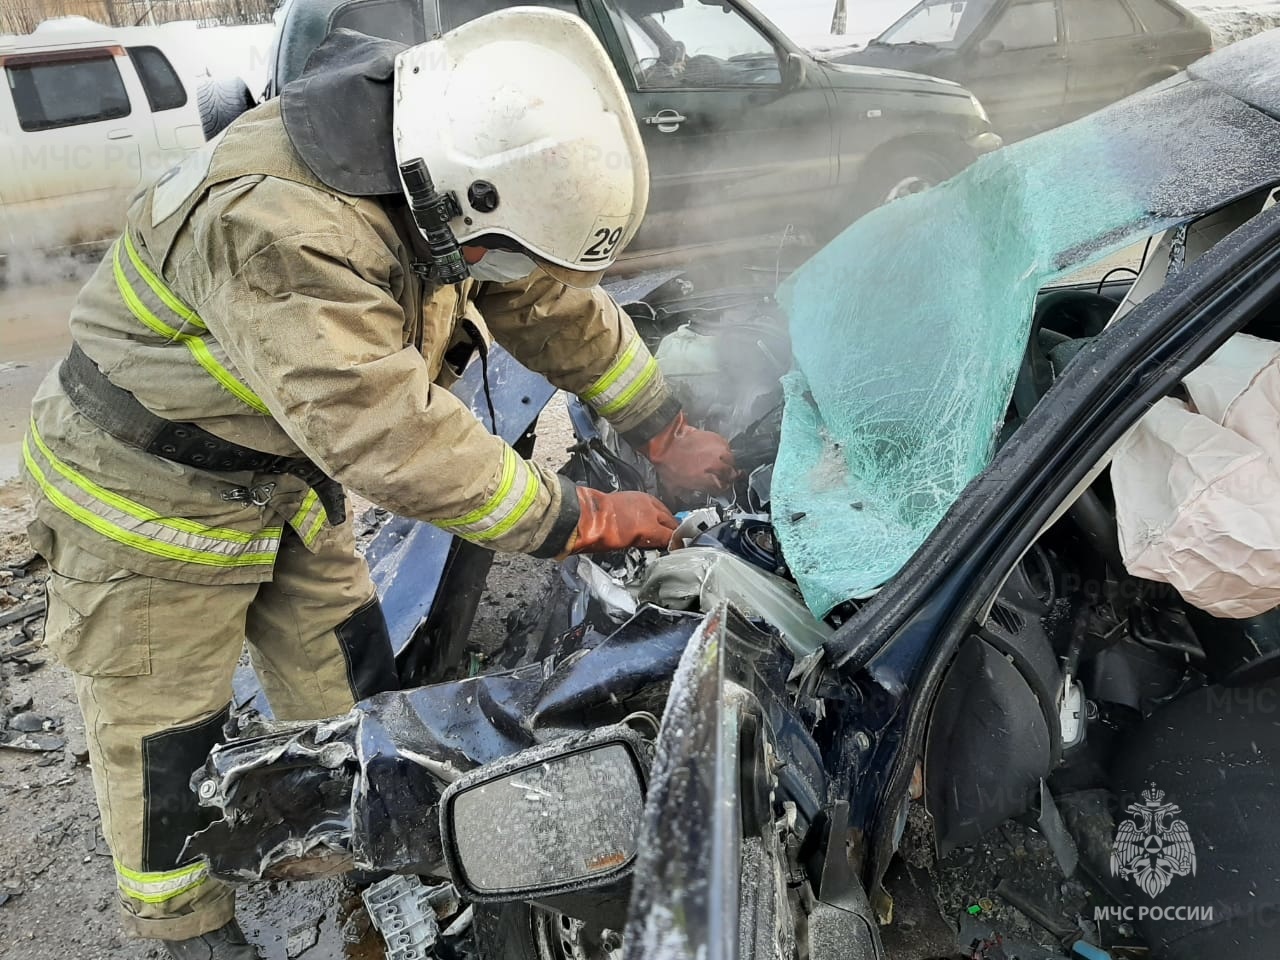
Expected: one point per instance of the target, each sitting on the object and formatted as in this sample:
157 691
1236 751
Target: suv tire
900 172
221 101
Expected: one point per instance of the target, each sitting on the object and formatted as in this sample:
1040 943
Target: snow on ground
808 22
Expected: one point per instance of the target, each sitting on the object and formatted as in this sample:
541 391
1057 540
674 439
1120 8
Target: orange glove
689 460
616 521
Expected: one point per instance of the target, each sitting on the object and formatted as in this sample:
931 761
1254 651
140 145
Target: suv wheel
899 174
221 101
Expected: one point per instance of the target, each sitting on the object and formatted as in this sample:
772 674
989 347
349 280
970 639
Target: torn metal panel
379 771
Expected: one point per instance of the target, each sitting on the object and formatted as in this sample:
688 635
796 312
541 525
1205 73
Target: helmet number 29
602 245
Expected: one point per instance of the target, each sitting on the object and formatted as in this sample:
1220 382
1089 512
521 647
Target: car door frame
1058 54
791 67
1135 44
905 638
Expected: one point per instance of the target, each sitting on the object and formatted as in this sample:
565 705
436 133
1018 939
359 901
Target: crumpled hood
338 114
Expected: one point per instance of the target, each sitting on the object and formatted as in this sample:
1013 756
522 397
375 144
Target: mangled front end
362 791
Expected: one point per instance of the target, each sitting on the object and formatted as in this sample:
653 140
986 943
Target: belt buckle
259 495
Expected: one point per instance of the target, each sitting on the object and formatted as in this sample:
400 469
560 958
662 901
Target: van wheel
221 101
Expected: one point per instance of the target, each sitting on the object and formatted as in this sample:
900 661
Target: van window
159 79
64 92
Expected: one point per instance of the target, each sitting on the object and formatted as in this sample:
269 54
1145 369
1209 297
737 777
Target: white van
88 116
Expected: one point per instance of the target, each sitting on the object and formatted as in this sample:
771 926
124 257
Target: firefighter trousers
153 662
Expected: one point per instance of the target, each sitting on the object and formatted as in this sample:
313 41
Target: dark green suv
746 132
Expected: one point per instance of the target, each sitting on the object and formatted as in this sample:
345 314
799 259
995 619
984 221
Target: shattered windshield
930 299
938 23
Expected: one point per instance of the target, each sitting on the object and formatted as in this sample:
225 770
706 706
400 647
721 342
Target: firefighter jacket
247 297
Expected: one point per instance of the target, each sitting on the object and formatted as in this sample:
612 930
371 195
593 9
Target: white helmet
521 116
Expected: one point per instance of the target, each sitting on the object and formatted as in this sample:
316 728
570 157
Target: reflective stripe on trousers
159 887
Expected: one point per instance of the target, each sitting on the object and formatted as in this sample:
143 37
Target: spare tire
221 101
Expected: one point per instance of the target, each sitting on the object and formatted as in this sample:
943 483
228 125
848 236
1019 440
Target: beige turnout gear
251 300
153 661
274 313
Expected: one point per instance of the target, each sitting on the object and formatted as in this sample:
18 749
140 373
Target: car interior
1083 678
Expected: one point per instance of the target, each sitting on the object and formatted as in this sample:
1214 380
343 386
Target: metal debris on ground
23 611
404 911
31 742
302 938
30 723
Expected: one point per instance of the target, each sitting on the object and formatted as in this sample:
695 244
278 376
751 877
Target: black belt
118 412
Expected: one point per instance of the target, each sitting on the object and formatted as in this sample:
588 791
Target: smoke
39 268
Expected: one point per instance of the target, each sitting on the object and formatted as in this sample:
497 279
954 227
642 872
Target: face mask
502 266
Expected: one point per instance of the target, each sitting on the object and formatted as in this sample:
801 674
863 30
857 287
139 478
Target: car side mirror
990 47
559 817
794 71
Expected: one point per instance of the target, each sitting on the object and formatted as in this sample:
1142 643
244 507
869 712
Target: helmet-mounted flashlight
432 211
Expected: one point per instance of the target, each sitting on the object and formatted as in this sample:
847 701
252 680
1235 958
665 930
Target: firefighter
281 319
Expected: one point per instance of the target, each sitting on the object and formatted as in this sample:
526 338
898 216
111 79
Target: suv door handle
1054 57
119 134
667 121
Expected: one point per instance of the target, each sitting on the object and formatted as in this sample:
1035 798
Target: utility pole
840 19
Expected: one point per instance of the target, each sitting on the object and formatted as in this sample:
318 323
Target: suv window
1156 16
388 19
160 81
63 91
454 13
691 44
1024 26
1097 20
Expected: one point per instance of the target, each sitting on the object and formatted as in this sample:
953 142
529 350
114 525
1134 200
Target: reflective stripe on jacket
248 298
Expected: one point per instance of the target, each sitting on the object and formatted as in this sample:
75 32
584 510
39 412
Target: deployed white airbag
1197 486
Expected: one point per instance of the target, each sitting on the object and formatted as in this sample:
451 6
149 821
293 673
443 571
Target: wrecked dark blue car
911 624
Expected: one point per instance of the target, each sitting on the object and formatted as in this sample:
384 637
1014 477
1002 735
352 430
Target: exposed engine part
405 912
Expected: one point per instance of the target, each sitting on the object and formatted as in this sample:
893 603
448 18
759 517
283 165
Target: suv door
1108 53
735 149
1019 70
74 148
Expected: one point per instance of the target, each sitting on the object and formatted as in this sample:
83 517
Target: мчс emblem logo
1152 848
